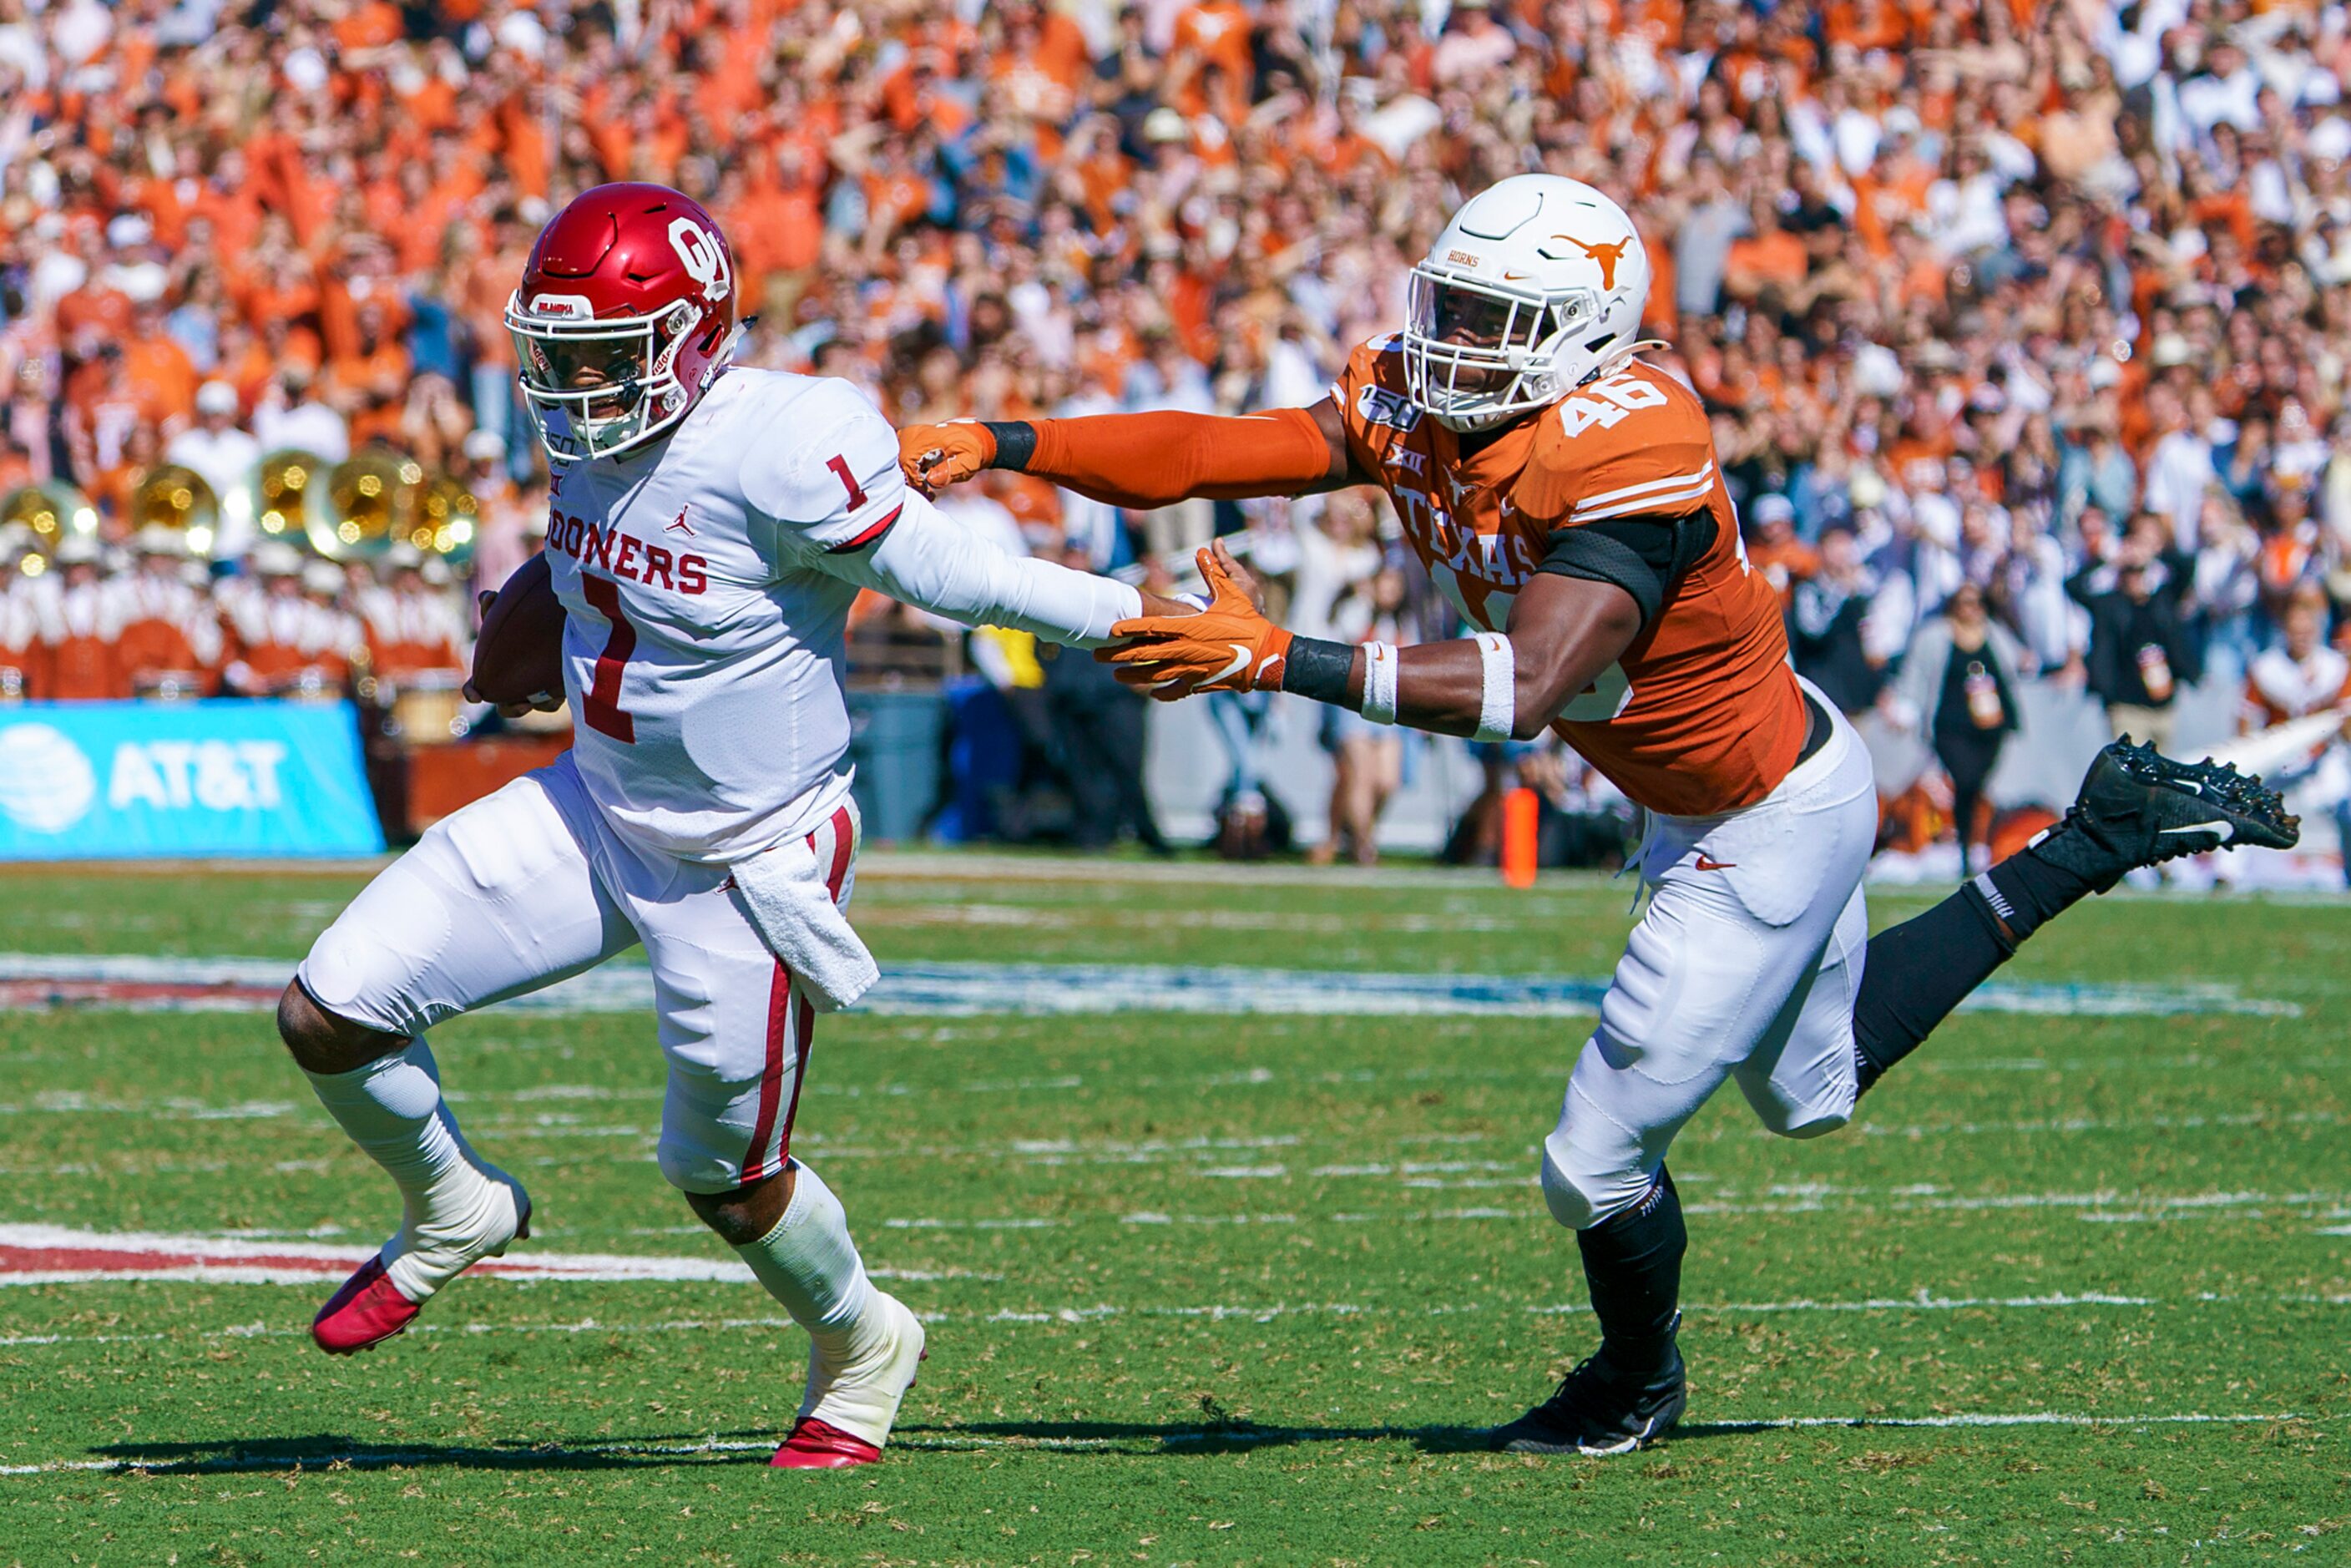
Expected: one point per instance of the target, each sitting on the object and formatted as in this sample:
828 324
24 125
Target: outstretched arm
929 561
1145 460
1564 631
824 489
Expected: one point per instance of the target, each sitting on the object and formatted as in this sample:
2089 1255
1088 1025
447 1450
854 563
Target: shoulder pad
1632 444
823 462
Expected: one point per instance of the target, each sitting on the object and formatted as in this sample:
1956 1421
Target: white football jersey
703 654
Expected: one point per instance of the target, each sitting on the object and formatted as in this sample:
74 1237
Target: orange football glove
934 456
1230 646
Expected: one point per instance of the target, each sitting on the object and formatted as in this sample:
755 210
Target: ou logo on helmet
703 256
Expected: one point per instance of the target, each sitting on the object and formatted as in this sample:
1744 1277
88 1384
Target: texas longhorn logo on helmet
1606 257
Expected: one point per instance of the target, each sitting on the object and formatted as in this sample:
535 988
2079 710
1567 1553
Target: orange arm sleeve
1147 460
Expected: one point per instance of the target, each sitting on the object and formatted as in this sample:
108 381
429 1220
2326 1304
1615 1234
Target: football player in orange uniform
1565 496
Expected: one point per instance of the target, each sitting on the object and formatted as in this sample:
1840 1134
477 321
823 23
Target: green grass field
1211 1288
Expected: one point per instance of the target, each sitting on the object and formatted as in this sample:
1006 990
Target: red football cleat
365 1312
816 1445
370 1309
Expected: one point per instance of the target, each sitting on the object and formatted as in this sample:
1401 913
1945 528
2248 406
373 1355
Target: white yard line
1923 1301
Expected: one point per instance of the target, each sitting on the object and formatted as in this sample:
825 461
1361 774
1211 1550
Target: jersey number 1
603 709
840 466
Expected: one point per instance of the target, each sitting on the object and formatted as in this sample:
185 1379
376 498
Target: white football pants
1745 966
532 884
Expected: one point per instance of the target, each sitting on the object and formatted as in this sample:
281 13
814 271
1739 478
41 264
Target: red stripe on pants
771 1079
785 1009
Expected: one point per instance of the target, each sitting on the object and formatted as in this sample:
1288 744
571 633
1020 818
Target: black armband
1016 444
1643 556
1318 669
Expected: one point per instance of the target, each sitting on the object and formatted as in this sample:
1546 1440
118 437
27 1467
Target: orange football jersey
1702 714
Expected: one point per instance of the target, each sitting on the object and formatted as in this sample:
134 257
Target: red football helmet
625 316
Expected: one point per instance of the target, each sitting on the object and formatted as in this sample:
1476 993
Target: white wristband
1380 681
1498 691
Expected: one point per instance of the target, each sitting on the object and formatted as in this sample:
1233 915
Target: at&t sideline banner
105 780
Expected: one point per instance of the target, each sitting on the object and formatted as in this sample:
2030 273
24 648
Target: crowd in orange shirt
1977 282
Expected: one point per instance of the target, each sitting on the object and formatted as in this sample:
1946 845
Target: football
520 653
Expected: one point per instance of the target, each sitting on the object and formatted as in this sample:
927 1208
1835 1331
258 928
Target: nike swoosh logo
1514 278
2198 828
1240 663
1706 864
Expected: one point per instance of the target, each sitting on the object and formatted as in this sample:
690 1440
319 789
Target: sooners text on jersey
1702 714
703 651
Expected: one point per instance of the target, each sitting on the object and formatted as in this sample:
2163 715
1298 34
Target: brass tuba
54 511
281 489
448 519
366 503
169 495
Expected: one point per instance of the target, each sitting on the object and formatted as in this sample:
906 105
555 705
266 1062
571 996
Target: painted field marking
46 1254
33 981
328 1459
53 1254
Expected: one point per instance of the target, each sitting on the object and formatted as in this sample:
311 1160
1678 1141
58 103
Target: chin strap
1607 367
1617 360
726 354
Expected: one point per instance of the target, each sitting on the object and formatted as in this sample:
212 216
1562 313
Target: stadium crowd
2025 327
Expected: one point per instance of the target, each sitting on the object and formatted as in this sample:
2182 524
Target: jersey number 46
1604 402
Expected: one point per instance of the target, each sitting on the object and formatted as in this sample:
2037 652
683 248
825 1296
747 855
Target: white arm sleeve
933 563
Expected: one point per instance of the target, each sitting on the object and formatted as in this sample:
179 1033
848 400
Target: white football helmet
1536 285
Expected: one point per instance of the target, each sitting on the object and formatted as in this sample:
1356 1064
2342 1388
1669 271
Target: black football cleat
1598 1412
2138 807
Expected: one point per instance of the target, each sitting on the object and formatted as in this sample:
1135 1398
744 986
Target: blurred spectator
2140 652
83 625
1775 550
166 637
416 633
225 458
1367 759
1827 624
289 634
1958 689
23 653
2301 677
288 418
1098 732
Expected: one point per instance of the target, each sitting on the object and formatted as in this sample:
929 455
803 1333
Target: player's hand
1230 646
934 456
544 702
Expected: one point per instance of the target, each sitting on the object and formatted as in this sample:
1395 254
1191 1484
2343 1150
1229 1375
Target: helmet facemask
1478 354
600 387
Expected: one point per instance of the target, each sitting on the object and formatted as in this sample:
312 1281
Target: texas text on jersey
1701 715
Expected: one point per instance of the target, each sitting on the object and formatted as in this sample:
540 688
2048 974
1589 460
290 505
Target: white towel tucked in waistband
784 892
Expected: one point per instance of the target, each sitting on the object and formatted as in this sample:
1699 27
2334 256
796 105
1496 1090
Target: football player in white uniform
709 526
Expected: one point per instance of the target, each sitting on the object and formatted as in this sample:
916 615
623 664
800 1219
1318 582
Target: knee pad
1579 1199
1810 1121
354 975
1828 1107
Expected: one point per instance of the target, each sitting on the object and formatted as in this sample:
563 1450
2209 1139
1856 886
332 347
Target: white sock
809 1264
451 1202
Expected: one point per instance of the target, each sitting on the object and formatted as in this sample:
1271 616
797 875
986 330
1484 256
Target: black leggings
1968 755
